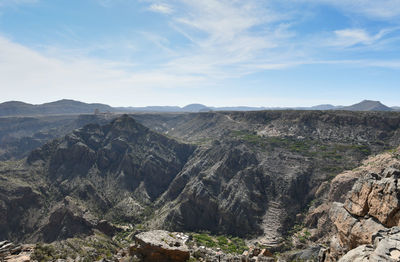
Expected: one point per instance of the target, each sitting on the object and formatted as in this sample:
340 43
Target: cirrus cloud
161 8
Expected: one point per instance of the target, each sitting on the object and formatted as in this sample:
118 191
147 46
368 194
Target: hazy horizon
214 52
211 106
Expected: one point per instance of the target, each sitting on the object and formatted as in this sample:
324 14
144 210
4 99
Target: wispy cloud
351 37
161 8
230 39
222 38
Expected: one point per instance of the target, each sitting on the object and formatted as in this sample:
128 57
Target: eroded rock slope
245 174
69 185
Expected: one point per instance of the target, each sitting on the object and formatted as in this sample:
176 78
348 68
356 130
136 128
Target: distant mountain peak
195 108
366 101
371 102
14 103
368 105
324 107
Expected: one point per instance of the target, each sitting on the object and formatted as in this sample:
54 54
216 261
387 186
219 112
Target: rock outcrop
385 246
159 245
11 252
378 196
368 216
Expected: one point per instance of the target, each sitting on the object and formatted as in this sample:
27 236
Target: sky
215 52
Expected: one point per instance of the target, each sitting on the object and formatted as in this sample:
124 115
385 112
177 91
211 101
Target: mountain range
65 106
61 107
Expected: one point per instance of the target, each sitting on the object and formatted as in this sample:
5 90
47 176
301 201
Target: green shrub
226 244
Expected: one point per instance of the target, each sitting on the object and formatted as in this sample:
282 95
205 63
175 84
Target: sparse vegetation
44 253
92 248
297 232
225 243
306 147
304 235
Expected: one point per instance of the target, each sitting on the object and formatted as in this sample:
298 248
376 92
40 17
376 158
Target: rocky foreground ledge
160 245
149 246
385 247
15 253
164 246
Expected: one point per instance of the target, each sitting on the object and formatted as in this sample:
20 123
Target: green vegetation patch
225 243
304 146
270 143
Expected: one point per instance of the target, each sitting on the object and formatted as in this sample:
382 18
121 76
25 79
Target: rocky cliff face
66 187
229 188
357 221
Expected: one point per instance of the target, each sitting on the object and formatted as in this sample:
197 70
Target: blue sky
215 52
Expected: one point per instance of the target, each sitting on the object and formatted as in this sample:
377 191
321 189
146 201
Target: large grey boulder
160 245
386 247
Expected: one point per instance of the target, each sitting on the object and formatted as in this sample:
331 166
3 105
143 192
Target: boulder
385 247
11 252
359 254
160 245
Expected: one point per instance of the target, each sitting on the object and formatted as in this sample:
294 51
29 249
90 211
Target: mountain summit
195 108
110 171
368 105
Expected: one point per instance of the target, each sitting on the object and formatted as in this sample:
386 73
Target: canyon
282 180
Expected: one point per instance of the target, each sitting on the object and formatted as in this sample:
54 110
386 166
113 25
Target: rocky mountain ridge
246 174
68 106
61 107
111 171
